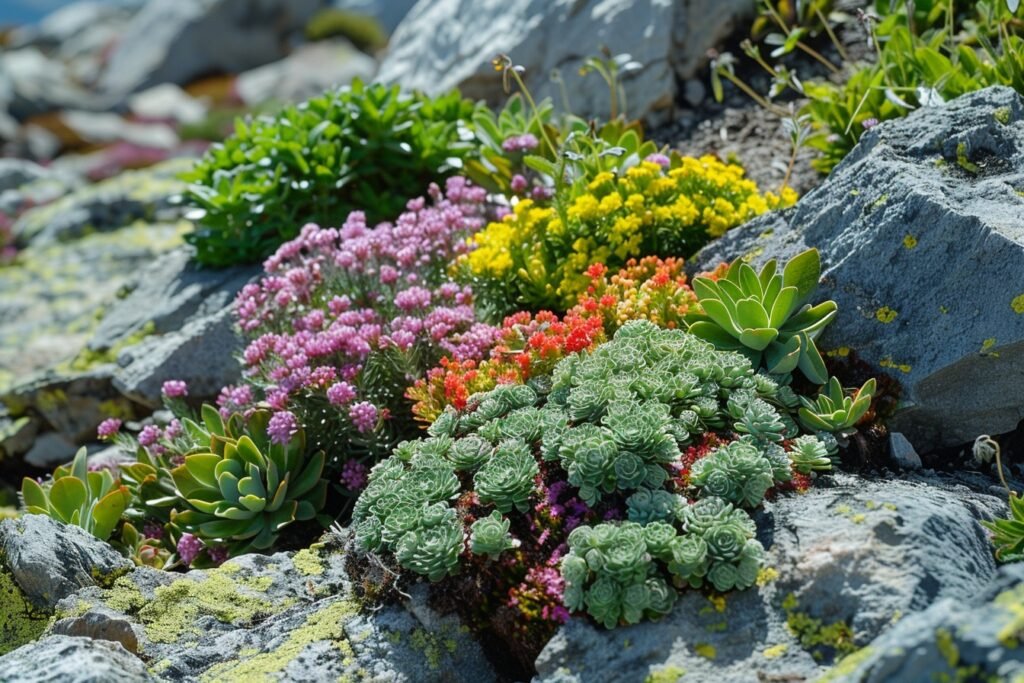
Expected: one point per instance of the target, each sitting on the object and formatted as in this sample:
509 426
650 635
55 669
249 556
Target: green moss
20 621
666 674
815 636
326 624
1002 115
88 359
429 645
308 562
963 161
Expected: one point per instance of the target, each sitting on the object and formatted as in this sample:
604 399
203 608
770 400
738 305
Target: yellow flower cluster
647 210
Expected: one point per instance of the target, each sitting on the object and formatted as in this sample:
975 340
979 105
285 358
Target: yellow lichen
705 650
20 621
1018 304
888 362
308 562
766 575
909 241
885 315
666 674
775 651
326 624
841 352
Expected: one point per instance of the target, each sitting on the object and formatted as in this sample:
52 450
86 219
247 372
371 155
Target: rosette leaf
737 472
809 454
765 315
833 411
489 536
506 480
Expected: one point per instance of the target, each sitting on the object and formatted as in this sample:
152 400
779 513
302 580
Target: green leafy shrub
362 30
766 316
94 501
610 424
1008 534
357 148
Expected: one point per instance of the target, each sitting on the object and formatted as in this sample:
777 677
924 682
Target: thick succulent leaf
706 288
280 495
867 390
305 481
811 362
185 483
750 314
80 465
276 454
229 528
208 507
253 503
248 451
750 283
758 339
767 275
719 313
803 272
317 498
281 518
212 419
202 467
235 467
258 422
67 496
228 485
227 511
34 495
251 486
713 333
108 510
194 431
771 294
264 539
783 306
782 356
218 444
812 421
731 292
835 391
811 319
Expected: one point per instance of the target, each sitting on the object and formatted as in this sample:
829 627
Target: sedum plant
835 412
93 501
766 316
608 426
361 147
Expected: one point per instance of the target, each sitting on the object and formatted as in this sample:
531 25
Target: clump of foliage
835 412
93 500
1007 534
362 30
611 426
766 316
347 318
528 345
537 255
356 148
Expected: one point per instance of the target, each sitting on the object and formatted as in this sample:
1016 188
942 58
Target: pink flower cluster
520 143
334 299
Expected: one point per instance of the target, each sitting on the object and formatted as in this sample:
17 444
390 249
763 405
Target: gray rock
850 560
924 257
36 84
105 128
903 453
176 41
288 616
68 24
167 101
388 12
202 353
17 435
669 39
978 639
49 561
167 294
307 72
49 450
66 659
17 172
99 626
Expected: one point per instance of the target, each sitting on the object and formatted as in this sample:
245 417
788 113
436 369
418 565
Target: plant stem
752 94
817 55
536 113
789 169
835 41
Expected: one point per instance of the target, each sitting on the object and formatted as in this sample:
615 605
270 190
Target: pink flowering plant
345 319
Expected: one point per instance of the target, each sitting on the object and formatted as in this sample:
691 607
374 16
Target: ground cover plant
362 147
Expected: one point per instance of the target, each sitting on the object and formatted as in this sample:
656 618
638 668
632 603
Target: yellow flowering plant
537 255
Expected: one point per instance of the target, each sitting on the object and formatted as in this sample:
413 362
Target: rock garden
545 340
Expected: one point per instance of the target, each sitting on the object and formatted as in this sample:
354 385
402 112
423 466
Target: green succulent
809 454
432 547
719 547
489 536
93 501
647 506
835 412
1008 534
244 489
506 479
737 472
470 453
360 147
756 417
765 315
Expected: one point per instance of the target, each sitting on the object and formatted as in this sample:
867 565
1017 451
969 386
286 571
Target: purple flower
218 554
173 430
282 427
108 428
518 184
189 548
363 416
868 124
149 435
354 475
154 530
520 143
174 388
341 393
659 159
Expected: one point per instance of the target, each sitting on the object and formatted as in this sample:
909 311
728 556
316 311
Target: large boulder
846 562
921 233
176 41
289 616
73 660
952 641
442 44
305 73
